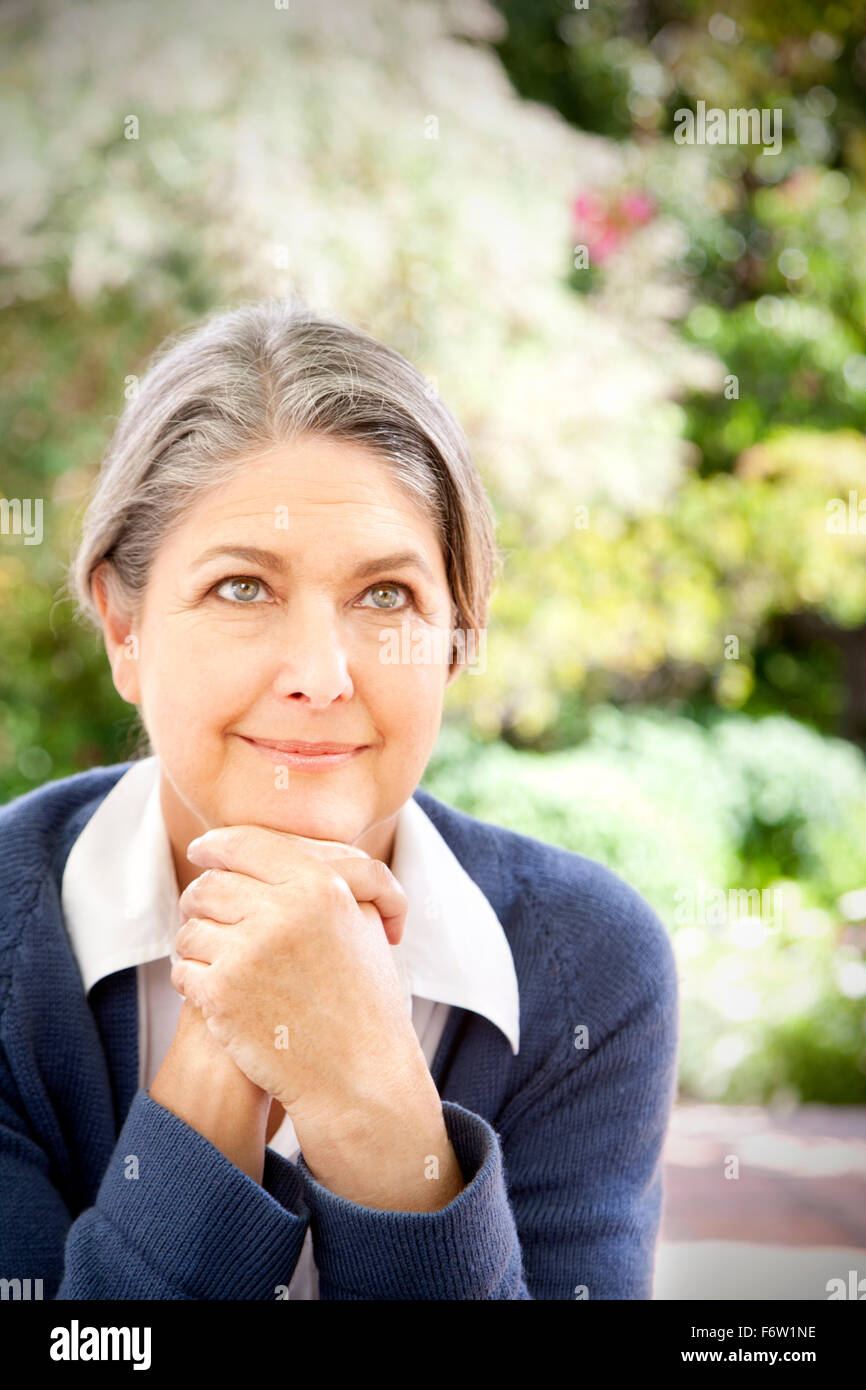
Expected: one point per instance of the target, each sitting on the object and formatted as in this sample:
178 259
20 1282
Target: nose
313 664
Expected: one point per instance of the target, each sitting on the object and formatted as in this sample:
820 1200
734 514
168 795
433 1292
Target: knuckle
209 882
186 932
201 881
336 888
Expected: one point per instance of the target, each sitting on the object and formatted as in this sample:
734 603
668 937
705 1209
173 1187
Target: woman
275 1022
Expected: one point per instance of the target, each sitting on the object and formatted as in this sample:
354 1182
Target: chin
312 826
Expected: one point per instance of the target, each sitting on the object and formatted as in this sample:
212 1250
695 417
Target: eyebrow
269 559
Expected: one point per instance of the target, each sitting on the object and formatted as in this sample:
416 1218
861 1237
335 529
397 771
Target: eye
246 591
242 599
392 586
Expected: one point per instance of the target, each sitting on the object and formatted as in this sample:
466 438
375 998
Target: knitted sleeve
563 1195
468 1249
173 1218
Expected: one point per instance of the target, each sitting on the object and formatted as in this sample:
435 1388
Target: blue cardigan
560 1145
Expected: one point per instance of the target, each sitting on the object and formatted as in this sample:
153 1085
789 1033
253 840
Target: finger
371 881
265 854
189 979
252 854
198 940
221 894
224 897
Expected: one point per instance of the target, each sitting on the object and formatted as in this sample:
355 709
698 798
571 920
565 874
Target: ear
457 665
121 640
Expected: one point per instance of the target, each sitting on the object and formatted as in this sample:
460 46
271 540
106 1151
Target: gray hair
245 380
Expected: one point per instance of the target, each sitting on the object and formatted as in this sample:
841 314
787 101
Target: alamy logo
75 1343
17 518
708 906
738 126
20 1289
855 1288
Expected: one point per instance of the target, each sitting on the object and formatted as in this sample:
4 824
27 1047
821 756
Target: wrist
391 1156
200 1083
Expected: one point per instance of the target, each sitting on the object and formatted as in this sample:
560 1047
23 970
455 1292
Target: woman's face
290 644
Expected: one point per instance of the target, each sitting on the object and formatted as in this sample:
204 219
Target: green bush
743 835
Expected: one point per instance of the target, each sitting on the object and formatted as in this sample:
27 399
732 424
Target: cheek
404 700
194 677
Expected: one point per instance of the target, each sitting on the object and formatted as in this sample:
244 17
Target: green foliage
765 817
764 254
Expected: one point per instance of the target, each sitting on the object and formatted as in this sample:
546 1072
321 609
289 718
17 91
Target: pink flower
588 207
637 207
603 245
604 225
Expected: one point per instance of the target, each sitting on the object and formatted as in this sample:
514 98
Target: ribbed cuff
202 1223
466 1250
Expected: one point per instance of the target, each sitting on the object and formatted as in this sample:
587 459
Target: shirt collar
120 903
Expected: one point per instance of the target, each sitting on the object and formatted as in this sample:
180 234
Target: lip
308 757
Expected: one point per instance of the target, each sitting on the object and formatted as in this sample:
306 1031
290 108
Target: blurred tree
157 173
158 170
771 250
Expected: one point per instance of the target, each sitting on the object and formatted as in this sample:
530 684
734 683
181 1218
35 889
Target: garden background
658 352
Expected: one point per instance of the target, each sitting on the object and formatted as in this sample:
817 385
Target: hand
296 981
201 1083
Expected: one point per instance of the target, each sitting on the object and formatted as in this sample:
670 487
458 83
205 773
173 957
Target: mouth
305 757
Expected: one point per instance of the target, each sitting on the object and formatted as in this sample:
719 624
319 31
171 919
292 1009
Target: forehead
306 494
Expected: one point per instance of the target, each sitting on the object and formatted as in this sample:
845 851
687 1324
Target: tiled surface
794 1217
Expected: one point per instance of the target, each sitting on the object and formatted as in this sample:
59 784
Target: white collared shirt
120 903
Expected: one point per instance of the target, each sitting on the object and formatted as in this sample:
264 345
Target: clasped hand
285 950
